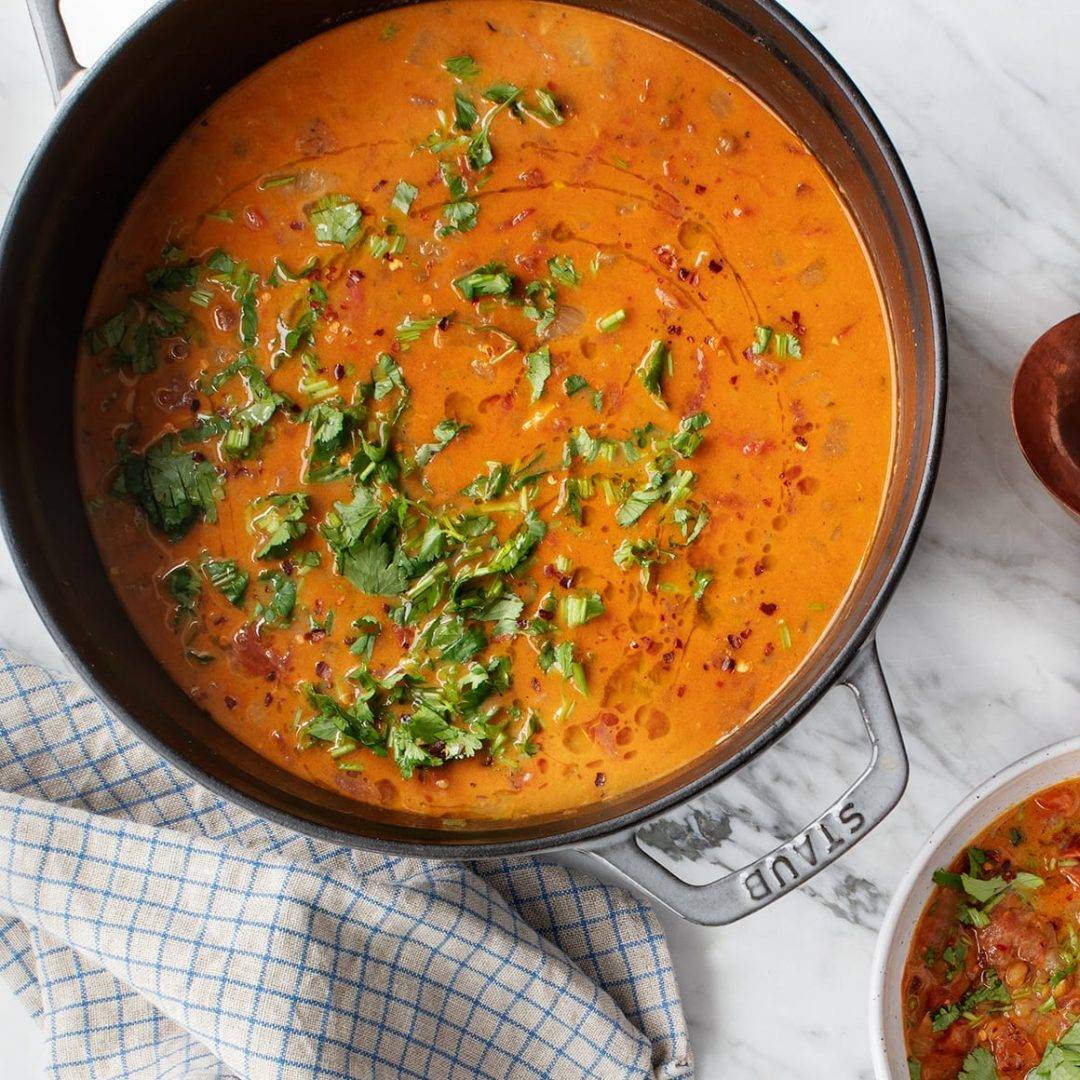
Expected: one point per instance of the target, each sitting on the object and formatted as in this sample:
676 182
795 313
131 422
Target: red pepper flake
767 609
253 218
759 569
322 670
230 702
666 256
516 220
339 372
715 266
727 664
700 189
769 648
601 779
268 700
680 690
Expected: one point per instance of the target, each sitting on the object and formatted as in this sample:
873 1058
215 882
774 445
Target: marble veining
979 643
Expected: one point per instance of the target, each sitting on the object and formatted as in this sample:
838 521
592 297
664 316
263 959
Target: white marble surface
980 643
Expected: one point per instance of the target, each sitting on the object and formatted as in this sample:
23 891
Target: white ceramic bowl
975 812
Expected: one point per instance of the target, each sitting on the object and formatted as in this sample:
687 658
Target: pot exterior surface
968 819
110 132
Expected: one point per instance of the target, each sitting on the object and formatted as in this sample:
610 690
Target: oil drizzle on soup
483 415
991 990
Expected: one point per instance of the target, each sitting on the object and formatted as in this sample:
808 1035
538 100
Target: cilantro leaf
519 546
979 1065
281 522
504 613
227 577
404 196
278 609
688 438
491 279
336 219
184 586
174 488
561 268
651 368
537 371
1060 1060
465 114
461 67
332 719
427 739
372 567
445 432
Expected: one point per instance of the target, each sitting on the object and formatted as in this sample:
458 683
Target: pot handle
61 67
863 806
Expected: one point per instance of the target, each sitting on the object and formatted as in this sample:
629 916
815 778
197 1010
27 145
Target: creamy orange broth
682 202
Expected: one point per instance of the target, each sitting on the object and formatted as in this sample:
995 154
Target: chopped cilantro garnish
580 608
183 585
537 371
561 268
979 1065
652 368
277 610
611 322
546 109
404 196
174 488
702 580
688 438
1060 1060
783 345
490 485
493 279
368 630
336 219
411 329
573 383
444 434
458 216
461 67
465 114
280 521
227 577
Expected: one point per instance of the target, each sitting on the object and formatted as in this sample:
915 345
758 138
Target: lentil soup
484 409
990 984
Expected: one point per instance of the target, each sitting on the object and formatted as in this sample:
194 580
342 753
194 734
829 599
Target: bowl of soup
472 428
976 966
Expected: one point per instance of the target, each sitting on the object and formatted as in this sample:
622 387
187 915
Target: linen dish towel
159 933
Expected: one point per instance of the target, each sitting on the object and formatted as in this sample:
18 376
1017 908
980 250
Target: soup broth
484 409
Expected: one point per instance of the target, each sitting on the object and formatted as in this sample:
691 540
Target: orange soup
990 988
484 409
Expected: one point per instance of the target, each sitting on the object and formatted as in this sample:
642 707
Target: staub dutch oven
115 122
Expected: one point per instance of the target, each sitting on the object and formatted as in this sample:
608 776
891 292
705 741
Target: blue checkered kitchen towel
157 932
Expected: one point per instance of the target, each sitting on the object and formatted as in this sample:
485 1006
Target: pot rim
593 834
886 959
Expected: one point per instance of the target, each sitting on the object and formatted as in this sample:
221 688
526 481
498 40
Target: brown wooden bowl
1046 411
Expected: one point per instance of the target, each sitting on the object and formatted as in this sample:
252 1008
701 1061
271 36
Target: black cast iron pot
116 121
